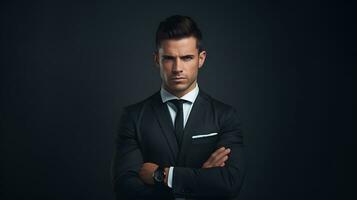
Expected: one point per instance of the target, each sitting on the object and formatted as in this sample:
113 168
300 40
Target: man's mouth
178 78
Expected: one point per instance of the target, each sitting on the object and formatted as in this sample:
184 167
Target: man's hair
178 27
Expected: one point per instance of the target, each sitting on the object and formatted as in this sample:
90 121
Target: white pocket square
204 135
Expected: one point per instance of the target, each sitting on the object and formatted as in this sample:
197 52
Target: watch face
159 176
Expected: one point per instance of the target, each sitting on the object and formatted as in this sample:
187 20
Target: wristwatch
159 176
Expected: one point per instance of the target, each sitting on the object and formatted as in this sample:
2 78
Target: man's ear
201 58
156 59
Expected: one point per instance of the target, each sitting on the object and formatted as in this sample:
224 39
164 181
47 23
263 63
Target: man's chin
178 89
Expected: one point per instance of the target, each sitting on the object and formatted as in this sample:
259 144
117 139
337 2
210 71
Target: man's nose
177 67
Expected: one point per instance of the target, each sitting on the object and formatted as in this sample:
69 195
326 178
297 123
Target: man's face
179 61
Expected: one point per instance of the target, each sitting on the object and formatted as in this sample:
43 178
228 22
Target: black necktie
179 119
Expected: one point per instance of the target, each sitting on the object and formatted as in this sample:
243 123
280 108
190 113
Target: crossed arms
221 175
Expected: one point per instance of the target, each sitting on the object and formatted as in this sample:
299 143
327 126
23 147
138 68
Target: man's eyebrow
184 56
187 56
167 56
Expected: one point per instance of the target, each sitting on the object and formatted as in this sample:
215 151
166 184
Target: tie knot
178 103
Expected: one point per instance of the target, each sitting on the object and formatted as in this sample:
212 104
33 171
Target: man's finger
214 159
214 154
220 155
217 151
221 161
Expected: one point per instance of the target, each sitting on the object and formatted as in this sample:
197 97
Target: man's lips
177 78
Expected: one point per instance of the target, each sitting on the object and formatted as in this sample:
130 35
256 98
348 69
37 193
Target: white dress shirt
187 106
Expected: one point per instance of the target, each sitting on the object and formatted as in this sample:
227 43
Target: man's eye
166 58
187 58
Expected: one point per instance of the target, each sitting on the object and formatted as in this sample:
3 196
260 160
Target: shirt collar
191 96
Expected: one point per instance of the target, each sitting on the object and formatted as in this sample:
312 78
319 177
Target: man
179 143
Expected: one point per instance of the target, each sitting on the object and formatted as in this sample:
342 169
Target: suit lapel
164 119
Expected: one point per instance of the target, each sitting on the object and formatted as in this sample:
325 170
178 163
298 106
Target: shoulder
136 108
224 113
217 105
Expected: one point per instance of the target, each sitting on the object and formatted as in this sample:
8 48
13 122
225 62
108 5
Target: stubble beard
178 90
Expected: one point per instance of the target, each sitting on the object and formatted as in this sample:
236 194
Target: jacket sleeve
126 163
217 181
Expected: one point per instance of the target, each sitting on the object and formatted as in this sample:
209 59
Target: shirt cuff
170 175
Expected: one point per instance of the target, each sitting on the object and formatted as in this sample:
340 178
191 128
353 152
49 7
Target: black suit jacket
146 134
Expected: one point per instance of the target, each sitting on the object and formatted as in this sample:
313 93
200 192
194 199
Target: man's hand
217 158
146 172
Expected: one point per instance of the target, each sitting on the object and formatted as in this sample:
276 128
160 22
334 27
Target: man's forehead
184 46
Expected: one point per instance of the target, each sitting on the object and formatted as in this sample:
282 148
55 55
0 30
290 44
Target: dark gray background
68 68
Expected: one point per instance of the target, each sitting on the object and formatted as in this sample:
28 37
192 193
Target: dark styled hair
178 27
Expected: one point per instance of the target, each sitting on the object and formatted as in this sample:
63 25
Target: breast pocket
204 138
